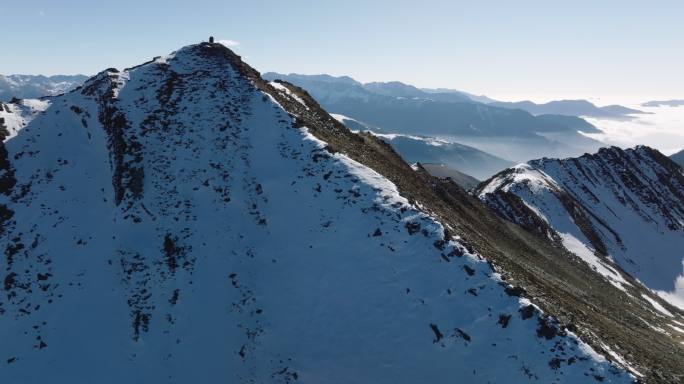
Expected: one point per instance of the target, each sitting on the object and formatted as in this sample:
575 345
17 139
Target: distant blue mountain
402 108
664 103
571 108
395 107
399 89
473 97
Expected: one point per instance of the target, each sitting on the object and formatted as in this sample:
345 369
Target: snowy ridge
171 223
617 209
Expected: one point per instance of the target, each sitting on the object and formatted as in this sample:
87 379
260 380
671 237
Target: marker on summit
211 39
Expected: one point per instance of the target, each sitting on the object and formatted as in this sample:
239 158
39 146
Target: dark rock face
572 108
121 141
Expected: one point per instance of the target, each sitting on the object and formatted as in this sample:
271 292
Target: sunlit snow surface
250 255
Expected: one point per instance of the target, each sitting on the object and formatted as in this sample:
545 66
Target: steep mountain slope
571 108
619 210
35 86
183 221
678 158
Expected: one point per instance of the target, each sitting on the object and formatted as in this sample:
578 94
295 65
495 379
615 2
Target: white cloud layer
228 43
662 129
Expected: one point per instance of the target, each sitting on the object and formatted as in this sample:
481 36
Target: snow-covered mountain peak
184 220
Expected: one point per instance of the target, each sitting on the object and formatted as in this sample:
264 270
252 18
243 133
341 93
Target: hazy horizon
660 128
599 100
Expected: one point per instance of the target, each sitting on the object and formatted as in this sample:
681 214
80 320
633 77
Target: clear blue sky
507 49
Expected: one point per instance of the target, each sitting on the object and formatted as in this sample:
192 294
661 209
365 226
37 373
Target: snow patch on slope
282 88
580 249
657 306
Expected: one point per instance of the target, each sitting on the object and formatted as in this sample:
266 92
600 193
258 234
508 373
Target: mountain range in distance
408 109
582 108
664 103
512 134
477 98
36 86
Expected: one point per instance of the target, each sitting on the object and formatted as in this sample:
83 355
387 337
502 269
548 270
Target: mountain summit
184 220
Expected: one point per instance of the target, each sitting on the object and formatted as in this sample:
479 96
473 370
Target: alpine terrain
186 221
619 210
